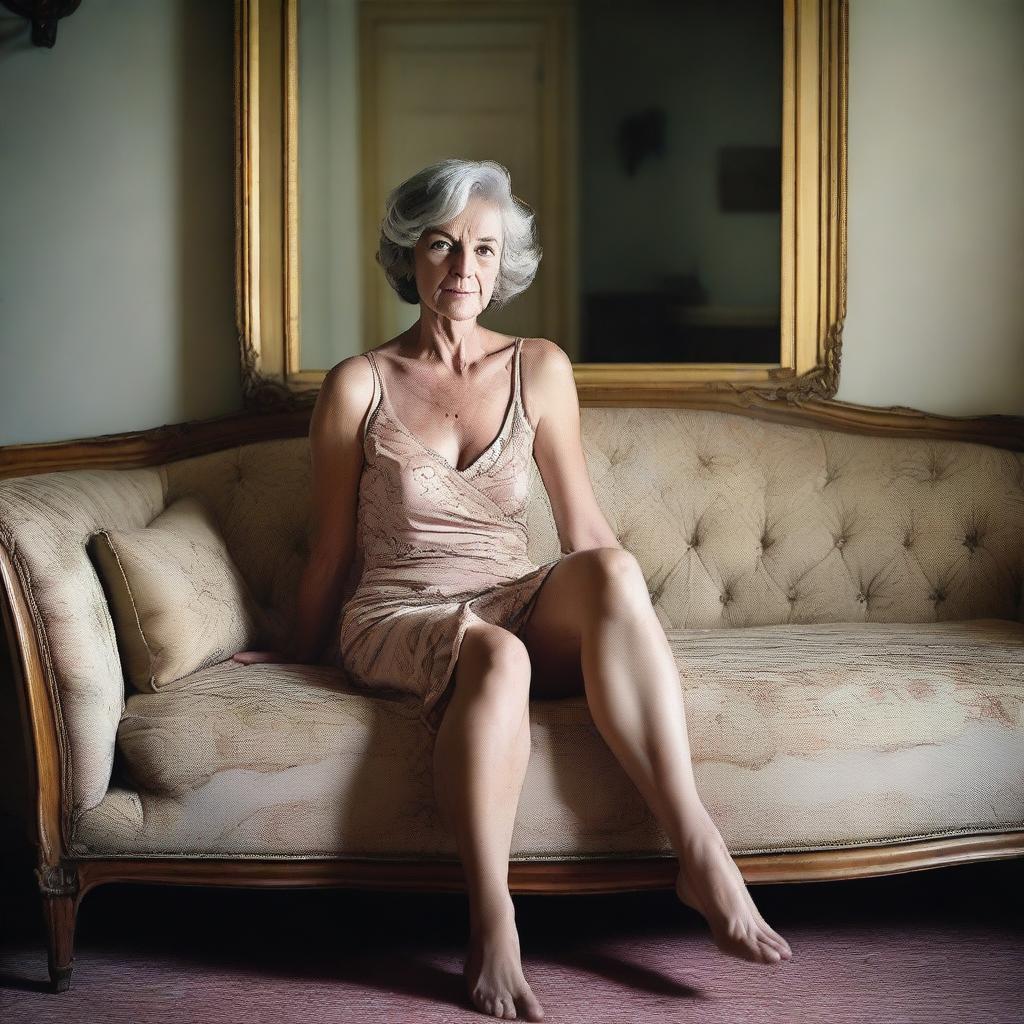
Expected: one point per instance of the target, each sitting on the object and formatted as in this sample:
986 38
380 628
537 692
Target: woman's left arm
555 412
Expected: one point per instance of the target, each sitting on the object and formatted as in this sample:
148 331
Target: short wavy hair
442 191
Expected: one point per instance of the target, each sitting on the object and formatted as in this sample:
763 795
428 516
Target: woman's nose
464 262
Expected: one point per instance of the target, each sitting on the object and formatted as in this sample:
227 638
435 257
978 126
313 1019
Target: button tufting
908 542
791 593
840 541
937 595
726 597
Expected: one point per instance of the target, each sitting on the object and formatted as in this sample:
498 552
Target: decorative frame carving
813 279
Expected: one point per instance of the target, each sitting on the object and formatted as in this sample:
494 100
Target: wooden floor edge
543 877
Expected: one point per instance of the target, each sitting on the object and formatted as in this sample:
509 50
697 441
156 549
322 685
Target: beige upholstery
803 737
737 522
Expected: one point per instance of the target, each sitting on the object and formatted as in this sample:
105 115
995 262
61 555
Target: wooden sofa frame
63 880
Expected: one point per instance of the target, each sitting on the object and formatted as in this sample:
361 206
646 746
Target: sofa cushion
802 737
178 602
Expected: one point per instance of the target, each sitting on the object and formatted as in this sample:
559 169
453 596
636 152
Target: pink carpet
945 945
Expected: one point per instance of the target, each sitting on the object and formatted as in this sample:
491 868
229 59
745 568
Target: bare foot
710 882
494 971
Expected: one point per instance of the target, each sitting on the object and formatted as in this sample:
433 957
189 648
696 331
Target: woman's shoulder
351 370
547 377
347 383
544 359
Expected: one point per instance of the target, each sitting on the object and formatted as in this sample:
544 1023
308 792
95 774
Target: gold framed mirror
330 115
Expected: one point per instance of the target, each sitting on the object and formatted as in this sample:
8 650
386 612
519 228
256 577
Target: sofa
842 589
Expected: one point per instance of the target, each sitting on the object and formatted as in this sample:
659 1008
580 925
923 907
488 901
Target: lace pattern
441 547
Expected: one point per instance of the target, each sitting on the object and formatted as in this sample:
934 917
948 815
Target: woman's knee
491 657
615 571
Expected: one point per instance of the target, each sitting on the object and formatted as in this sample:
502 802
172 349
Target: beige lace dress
441 548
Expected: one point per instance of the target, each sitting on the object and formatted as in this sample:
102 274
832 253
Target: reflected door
466 89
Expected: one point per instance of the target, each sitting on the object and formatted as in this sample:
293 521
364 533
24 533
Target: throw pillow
177 599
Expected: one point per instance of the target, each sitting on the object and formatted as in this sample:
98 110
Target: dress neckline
513 401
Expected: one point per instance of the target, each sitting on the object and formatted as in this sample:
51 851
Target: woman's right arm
336 455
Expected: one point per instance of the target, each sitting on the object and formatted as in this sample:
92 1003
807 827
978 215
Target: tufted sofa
844 606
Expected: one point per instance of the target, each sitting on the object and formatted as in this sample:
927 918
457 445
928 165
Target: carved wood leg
58 886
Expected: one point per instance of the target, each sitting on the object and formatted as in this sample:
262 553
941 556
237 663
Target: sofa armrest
38 713
62 634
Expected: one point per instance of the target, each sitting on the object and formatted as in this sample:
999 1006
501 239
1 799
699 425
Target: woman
424 445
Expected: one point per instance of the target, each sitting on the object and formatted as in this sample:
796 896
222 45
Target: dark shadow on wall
208 347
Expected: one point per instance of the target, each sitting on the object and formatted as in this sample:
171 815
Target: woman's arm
336 454
555 412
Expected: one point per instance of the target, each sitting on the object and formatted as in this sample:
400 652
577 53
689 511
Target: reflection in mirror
646 136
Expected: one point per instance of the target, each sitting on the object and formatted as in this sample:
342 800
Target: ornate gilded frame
813 243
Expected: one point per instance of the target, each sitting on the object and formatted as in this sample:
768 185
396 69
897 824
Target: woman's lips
455 291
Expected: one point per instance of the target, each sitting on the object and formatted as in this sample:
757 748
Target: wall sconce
44 15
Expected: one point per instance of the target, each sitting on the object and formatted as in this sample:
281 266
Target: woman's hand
262 657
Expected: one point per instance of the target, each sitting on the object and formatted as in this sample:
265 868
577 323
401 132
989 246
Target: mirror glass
661 227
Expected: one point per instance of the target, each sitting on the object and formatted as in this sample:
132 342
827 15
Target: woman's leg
593 626
480 755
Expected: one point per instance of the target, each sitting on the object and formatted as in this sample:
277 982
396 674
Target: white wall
116 211
116 221
936 206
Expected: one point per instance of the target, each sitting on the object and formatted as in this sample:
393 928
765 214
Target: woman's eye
441 241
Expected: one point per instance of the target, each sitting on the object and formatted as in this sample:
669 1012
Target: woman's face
457 262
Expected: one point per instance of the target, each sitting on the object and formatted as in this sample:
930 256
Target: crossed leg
594 631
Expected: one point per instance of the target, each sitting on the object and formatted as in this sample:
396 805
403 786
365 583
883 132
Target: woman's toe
780 942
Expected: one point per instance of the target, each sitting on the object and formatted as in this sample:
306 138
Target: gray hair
442 191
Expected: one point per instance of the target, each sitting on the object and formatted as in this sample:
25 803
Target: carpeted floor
936 946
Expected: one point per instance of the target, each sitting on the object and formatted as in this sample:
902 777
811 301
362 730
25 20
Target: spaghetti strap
517 383
378 390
